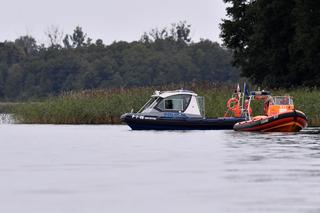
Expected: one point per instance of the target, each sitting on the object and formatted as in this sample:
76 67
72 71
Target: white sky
109 20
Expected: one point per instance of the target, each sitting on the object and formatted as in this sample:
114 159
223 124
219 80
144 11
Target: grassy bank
7 107
87 107
106 106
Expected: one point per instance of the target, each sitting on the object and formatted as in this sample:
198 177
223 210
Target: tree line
275 43
29 70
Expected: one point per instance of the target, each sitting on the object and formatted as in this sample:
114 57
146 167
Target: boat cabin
279 104
177 101
273 105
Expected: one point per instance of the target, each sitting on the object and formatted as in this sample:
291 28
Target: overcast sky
110 20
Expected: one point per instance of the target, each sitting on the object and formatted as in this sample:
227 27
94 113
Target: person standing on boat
267 103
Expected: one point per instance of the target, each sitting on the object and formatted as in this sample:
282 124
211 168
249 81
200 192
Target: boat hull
184 123
292 121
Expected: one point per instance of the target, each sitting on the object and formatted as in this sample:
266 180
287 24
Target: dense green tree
14 81
275 43
183 31
27 44
167 56
3 75
305 55
78 37
11 53
237 29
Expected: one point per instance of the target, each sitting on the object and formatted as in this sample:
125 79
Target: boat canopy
165 94
180 101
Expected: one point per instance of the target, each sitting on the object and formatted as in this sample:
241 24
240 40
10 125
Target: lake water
93 169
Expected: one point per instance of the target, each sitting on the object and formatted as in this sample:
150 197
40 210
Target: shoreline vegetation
106 106
31 71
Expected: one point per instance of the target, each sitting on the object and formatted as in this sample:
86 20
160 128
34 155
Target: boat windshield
150 103
282 100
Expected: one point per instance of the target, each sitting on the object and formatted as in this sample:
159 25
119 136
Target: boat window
283 100
201 104
174 103
148 104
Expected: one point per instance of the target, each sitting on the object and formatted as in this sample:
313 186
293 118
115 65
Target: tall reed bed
6 107
106 106
86 107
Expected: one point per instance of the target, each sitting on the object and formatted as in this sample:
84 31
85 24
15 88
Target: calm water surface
65 169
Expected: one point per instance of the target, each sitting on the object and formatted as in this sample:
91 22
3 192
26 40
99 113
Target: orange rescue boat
280 115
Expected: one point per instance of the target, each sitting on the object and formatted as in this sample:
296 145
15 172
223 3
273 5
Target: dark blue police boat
176 110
